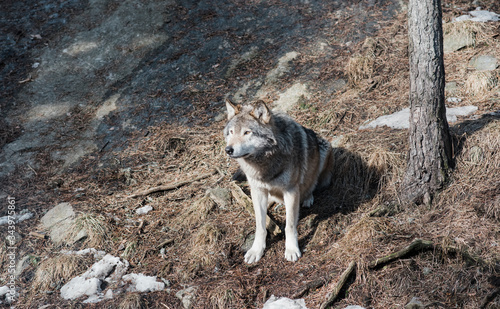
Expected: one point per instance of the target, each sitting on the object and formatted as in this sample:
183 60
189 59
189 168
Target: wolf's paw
253 255
308 201
292 254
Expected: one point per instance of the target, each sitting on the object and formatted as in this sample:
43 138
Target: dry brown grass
206 244
55 271
131 301
359 241
359 68
198 211
223 298
480 83
467 28
96 227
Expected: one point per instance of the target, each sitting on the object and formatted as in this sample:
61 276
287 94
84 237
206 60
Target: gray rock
59 221
59 213
22 264
484 63
415 303
337 85
221 196
248 242
187 296
451 87
292 97
282 68
455 41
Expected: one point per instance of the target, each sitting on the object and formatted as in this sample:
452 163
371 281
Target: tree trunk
430 151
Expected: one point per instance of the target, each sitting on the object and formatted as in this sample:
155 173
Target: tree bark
430 151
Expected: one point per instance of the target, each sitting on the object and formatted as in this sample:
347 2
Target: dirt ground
101 99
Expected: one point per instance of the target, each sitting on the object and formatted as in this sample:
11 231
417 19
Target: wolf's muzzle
229 150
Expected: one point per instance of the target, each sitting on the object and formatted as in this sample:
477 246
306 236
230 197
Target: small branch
342 281
310 286
172 186
244 200
416 246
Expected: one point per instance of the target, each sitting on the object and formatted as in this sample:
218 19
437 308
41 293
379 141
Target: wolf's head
248 132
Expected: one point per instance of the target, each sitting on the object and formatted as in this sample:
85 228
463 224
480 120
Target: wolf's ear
261 112
232 109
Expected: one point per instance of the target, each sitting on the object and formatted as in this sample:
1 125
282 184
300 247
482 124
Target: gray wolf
283 162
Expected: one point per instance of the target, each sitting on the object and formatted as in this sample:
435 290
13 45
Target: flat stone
484 63
415 303
59 221
456 41
221 196
57 214
292 97
187 296
22 265
451 87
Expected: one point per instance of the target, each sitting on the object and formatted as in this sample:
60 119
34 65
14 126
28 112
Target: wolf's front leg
292 204
259 199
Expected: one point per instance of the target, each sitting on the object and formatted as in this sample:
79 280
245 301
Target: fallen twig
416 246
172 186
244 200
310 286
342 281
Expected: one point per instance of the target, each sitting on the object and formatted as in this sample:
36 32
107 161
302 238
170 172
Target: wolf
283 161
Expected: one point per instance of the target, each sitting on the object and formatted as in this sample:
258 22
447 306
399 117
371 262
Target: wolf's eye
231 132
247 132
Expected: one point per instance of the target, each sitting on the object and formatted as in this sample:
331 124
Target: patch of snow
80 286
400 120
284 303
110 269
89 283
354 307
478 16
142 283
453 100
452 113
21 216
8 295
143 210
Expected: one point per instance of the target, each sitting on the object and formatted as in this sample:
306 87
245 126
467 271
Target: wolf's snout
229 150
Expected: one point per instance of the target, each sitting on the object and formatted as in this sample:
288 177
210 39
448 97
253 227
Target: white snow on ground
479 16
143 210
89 283
284 303
142 283
112 270
400 120
21 216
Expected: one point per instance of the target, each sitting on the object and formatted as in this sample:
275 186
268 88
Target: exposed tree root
171 186
417 245
332 297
